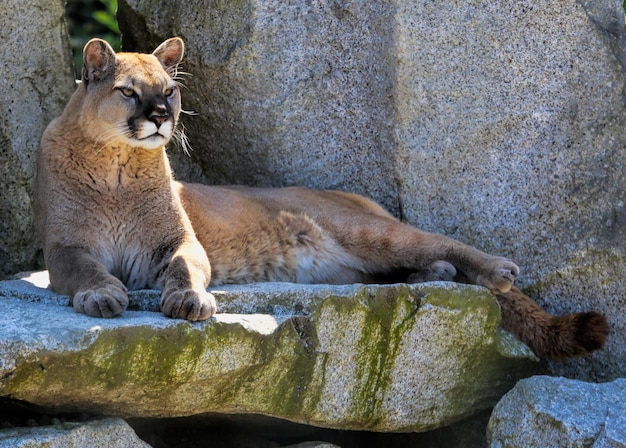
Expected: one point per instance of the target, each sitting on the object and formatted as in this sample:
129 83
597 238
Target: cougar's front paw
498 274
188 304
106 301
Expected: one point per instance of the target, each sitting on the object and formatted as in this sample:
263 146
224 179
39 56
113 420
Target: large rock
36 79
390 358
498 124
558 412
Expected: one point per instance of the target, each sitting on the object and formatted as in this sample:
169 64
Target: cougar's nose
158 115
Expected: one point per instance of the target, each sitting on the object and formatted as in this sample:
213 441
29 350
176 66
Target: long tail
552 337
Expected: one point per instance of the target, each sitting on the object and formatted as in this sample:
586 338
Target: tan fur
112 217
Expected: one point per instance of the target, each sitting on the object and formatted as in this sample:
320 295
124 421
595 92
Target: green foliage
91 18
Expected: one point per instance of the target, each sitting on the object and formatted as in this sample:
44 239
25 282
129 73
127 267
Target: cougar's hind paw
500 275
438 271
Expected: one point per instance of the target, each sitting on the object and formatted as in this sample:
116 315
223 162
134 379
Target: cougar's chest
122 200
124 243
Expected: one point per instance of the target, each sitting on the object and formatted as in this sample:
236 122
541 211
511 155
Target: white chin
154 142
151 137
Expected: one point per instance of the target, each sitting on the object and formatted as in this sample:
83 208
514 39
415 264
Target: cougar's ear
98 60
170 53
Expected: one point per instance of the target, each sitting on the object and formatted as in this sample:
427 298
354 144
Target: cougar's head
131 98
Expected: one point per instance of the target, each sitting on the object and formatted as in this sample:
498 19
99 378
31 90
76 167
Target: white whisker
182 141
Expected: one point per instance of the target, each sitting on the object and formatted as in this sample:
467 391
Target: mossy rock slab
380 358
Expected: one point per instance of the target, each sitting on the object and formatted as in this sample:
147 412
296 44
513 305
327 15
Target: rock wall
500 125
36 78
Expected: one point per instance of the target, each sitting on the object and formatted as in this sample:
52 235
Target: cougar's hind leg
390 246
552 337
380 244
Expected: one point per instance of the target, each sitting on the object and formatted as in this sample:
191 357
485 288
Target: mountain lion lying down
111 217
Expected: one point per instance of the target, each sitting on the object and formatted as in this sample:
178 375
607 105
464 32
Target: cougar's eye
169 92
127 92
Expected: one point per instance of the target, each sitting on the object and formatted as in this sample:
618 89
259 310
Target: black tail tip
591 330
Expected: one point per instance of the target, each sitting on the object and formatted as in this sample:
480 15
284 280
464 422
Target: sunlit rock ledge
382 358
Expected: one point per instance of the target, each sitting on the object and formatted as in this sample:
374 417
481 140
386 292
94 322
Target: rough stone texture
105 433
498 124
558 412
36 79
391 358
